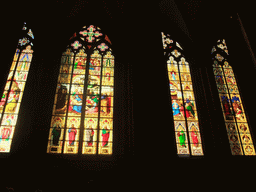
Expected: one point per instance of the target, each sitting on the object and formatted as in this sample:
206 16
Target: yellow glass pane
20 76
58 121
91 111
7 85
188 95
93 89
73 121
106 101
246 139
89 147
5 145
184 68
107 90
187 86
231 80
243 128
106 123
182 149
77 89
17 86
108 60
12 107
91 123
71 147
54 149
79 70
174 85
10 75
66 69
67 57
228 72
23 66
108 71
94 70
196 150
249 149
106 112
107 80
3 100
172 67
105 149
93 80
9 119
185 76
95 63
173 75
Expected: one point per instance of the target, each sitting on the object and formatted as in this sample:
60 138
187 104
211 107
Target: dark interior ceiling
198 19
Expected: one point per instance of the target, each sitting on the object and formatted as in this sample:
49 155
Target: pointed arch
14 88
238 130
187 132
82 119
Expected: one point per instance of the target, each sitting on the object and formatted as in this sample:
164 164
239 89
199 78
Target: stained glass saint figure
13 92
235 119
84 97
183 99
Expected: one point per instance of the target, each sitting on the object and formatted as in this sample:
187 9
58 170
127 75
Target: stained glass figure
13 92
187 132
82 121
236 123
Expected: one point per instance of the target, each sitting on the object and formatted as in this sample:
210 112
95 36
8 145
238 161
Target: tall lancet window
233 111
82 118
13 90
186 126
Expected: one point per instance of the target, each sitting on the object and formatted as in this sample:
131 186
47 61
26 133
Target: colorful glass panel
187 132
13 92
235 119
82 119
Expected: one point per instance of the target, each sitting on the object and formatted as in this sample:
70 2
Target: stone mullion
70 83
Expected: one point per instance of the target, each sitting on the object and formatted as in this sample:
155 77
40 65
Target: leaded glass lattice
82 119
13 92
186 126
235 119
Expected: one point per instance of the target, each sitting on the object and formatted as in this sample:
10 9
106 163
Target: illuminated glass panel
13 92
82 121
187 132
235 119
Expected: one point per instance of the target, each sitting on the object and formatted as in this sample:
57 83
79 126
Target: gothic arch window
82 118
13 90
233 111
186 126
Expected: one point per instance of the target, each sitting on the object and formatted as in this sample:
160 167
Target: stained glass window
14 88
82 118
233 111
186 125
